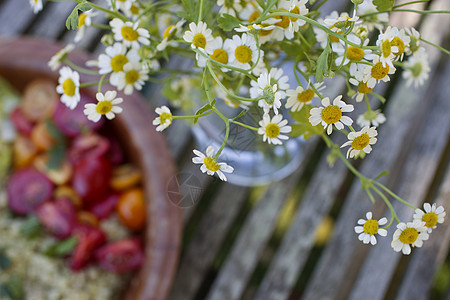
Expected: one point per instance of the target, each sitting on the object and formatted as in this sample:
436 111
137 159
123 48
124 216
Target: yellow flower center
332 37
361 142
81 20
165 117
129 34
430 219
134 9
104 107
284 23
253 17
272 130
167 31
265 32
243 54
211 164
363 88
69 87
199 41
409 236
117 62
305 96
386 48
220 55
371 227
354 53
378 71
331 114
396 41
132 76
295 10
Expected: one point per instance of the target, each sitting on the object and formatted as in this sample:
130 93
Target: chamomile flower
342 21
258 28
414 43
229 6
400 40
69 87
244 51
55 60
221 53
299 97
36 5
164 119
210 165
133 12
361 141
114 58
200 37
132 77
387 48
129 33
124 5
277 77
106 105
272 130
407 235
322 36
368 228
272 95
431 215
331 114
373 74
168 34
371 117
84 20
417 69
363 89
353 54
373 21
297 7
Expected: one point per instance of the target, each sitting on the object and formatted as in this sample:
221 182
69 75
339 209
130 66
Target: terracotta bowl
24 59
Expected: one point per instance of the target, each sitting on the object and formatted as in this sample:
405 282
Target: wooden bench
294 238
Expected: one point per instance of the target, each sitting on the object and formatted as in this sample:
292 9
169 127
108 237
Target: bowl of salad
84 208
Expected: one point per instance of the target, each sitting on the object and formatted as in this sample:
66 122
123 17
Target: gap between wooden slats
424 263
342 256
202 250
15 16
422 162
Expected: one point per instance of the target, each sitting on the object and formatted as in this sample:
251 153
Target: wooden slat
339 261
203 248
425 262
14 17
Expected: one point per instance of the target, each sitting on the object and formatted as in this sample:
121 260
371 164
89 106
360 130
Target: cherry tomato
91 178
125 177
121 256
27 189
89 239
41 137
131 209
39 100
58 217
24 151
90 144
104 208
21 123
72 122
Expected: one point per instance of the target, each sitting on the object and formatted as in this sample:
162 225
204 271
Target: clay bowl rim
23 59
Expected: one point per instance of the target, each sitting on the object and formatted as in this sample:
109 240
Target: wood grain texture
342 257
202 250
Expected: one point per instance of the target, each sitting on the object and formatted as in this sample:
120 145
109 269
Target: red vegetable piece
90 144
91 178
73 122
58 217
21 123
121 256
105 207
27 189
89 239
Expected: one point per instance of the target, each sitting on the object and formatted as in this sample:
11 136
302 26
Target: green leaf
384 173
228 22
303 127
189 12
384 5
31 228
13 288
261 3
62 248
72 19
203 109
322 67
5 261
243 112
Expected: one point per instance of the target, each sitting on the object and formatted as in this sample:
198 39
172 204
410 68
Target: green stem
105 10
369 109
100 83
192 117
200 12
83 85
381 98
434 45
78 68
244 125
101 26
409 3
369 193
227 132
394 195
391 208
426 12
